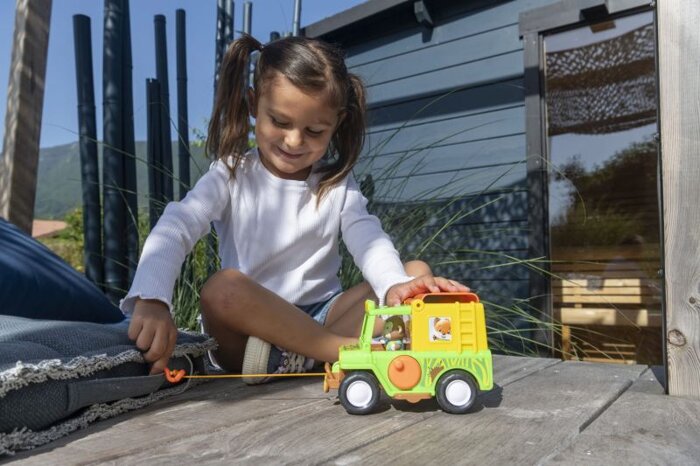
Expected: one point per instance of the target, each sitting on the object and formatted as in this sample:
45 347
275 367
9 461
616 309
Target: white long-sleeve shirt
270 229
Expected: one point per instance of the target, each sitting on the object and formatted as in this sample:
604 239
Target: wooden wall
448 102
679 85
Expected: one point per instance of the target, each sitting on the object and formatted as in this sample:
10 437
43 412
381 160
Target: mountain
59 188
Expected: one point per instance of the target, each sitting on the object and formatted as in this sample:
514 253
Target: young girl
278 210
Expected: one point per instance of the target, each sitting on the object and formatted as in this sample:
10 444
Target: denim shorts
319 311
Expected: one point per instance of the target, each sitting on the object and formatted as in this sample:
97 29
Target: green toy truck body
442 352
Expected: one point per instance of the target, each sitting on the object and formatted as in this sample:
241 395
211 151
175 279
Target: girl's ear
252 103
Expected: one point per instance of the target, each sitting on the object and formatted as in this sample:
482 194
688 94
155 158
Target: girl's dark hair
311 65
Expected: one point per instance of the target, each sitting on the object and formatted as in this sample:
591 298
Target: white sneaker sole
255 359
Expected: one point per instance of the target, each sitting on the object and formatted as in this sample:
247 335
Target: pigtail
229 125
349 137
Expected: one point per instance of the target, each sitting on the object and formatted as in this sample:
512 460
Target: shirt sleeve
180 226
371 248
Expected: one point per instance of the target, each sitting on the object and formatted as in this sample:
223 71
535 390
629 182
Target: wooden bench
605 302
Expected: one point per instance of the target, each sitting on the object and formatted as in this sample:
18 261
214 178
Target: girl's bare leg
347 313
234 306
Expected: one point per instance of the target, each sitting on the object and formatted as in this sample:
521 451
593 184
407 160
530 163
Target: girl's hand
154 332
423 284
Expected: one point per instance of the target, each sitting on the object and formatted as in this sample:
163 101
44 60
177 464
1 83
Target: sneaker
263 358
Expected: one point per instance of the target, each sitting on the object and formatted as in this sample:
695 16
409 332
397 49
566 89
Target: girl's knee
221 290
416 268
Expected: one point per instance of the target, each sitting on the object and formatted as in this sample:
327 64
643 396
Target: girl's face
292 128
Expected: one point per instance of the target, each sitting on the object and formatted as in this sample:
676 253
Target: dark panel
453 103
449 184
494 207
487 265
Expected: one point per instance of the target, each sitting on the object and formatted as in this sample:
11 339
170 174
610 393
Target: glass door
600 96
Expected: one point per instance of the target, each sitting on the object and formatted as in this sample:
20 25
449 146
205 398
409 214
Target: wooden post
25 99
679 91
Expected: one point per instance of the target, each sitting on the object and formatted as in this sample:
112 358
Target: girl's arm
180 226
371 248
178 229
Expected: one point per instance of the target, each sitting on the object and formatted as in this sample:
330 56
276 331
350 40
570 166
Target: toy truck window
439 329
392 333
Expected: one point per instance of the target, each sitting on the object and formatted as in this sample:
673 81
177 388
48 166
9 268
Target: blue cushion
36 283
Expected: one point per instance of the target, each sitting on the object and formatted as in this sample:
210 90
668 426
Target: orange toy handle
174 376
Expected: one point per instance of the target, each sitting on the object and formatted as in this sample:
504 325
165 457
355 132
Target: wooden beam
679 93
25 99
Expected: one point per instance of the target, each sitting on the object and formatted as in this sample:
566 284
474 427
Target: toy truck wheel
359 393
456 392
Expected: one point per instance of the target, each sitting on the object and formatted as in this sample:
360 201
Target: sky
60 118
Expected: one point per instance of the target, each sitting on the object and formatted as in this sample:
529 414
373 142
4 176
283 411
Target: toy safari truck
441 351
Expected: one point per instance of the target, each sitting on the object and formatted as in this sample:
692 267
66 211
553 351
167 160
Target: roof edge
350 16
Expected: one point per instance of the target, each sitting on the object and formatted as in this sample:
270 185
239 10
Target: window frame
534 25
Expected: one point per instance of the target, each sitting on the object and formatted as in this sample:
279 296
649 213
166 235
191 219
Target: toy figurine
394 333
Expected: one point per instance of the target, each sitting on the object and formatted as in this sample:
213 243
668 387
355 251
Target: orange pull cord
174 376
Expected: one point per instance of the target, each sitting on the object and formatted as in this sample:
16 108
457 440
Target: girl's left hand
423 284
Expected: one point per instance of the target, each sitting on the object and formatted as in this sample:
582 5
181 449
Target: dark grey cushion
53 371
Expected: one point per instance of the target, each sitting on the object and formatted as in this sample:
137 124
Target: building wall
446 122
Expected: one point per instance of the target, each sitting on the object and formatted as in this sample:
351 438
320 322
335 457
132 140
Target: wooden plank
446 158
523 423
607 285
226 421
470 48
584 299
451 158
486 128
642 427
25 98
501 67
510 369
206 408
606 253
608 316
620 270
679 93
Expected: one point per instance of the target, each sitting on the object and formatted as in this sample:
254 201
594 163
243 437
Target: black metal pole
89 169
228 22
247 28
162 76
154 135
247 17
132 213
219 40
297 18
183 146
113 165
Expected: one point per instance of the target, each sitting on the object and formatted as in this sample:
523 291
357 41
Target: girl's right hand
154 332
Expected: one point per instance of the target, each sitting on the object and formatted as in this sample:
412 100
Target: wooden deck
542 411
